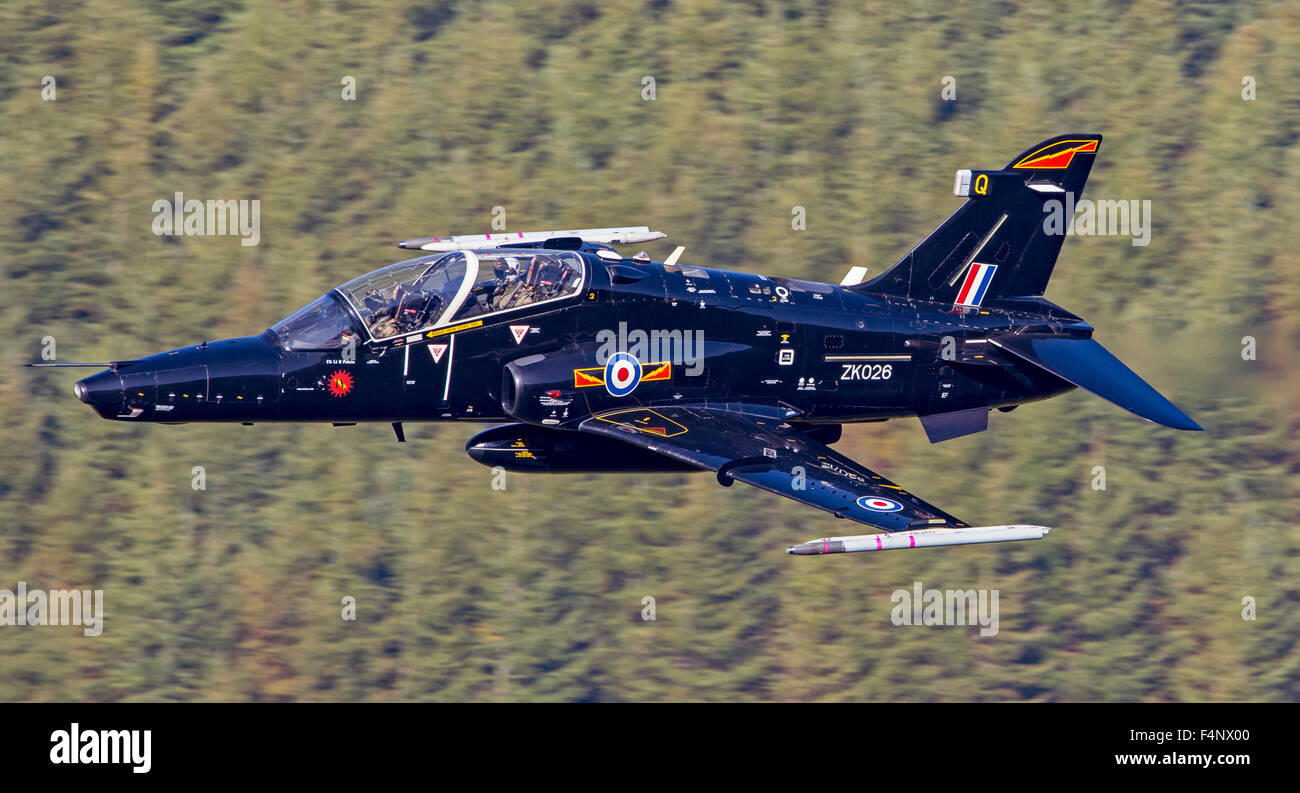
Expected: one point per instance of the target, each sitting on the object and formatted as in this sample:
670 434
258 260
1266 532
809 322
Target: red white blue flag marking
622 374
976 285
877 504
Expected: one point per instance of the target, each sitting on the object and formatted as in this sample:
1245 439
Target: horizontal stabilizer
1090 366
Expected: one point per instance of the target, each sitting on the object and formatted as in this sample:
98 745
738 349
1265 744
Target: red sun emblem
340 383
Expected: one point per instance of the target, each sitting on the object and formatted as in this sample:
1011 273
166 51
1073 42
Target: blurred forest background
535 593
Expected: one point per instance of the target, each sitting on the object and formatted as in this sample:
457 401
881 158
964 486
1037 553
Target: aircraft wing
769 453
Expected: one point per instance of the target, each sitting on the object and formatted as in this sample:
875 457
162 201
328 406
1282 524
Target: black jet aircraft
601 362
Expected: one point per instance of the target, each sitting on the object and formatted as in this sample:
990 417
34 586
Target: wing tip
1177 420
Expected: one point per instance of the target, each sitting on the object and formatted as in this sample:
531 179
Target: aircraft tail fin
1090 366
996 244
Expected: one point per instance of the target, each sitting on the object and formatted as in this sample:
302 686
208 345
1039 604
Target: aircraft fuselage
810 352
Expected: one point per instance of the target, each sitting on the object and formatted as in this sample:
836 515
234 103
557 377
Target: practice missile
921 538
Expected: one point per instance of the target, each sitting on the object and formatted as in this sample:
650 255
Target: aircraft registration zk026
607 363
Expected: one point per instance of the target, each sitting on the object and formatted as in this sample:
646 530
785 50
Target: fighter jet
602 362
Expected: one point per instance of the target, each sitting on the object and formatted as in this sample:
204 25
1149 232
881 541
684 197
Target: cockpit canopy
432 291
323 324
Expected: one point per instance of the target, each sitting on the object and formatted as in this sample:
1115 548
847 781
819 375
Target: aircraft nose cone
102 391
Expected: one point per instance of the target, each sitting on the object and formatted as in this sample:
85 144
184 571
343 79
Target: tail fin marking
1003 213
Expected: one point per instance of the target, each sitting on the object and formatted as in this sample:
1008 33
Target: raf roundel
622 374
877 504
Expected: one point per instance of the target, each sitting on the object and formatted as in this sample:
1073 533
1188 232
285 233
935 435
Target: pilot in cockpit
506 271
381 320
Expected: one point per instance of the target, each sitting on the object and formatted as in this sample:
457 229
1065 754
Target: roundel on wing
622 374
878 504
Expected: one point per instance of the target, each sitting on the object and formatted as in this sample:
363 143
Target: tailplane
996 244
1090 366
